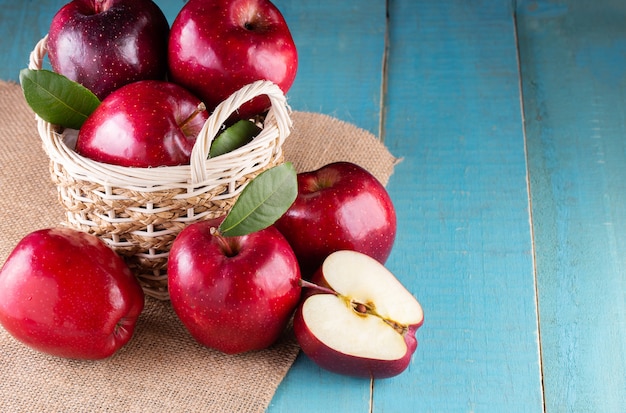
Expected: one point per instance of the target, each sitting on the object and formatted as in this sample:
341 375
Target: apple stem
307 284
199 109
224 244
99 6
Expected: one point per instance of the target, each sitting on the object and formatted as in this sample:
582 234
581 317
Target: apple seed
369 309
360 308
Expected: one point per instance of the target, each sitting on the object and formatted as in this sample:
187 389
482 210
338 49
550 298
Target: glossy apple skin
337 362
106 44
238 302
218 46
139 125
340 206
67 294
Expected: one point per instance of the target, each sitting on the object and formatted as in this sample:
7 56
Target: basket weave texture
139 211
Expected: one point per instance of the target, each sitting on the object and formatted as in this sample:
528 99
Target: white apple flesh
357 318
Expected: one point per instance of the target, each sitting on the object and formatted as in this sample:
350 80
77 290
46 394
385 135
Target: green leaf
265 199
235 136
57 99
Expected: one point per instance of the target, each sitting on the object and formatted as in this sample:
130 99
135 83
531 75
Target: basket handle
36 57
279 110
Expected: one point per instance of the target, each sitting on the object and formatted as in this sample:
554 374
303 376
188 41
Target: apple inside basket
139 211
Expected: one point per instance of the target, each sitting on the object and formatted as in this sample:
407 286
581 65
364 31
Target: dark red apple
66 293
357 318
143 124
105 44
233 294
218 46
340 206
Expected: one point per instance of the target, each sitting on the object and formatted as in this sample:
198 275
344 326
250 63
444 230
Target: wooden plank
573 57
464 243
21 27
341 48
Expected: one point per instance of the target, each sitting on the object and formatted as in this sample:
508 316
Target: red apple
143 124
66 293
340 206
358 319
218 46
233 294
105 44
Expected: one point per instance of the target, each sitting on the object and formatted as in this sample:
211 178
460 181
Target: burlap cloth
162 369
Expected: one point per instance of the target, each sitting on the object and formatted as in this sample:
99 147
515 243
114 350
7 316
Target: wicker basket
139 211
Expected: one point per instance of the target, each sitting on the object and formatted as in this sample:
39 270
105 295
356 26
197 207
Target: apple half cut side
357 319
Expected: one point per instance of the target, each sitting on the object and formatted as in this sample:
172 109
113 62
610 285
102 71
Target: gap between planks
371 403
530 202
381 133
383 81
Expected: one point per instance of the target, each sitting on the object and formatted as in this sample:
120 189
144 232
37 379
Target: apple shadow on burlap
162 368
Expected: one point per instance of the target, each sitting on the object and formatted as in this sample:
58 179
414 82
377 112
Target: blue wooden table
511 198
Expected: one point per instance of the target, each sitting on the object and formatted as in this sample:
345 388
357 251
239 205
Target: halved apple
357 319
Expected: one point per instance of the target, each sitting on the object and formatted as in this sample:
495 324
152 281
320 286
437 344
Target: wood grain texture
21 27
464 244
341 49
573 57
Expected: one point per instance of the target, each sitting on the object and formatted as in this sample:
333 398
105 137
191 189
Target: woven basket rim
199 173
